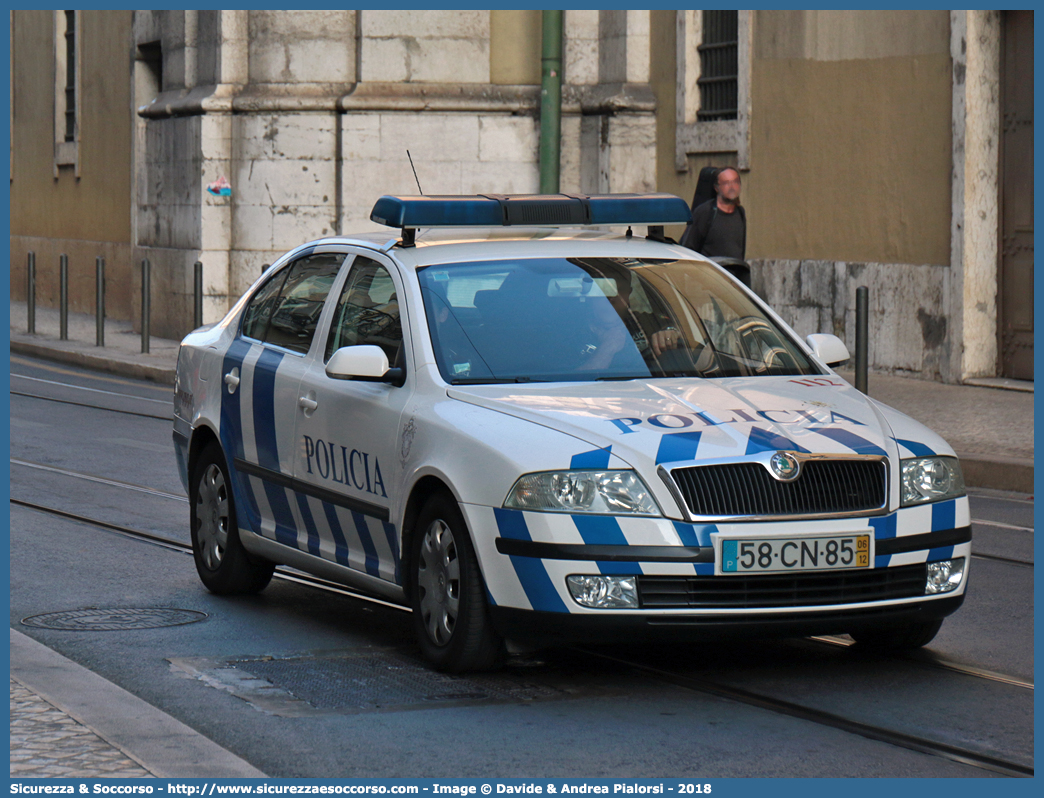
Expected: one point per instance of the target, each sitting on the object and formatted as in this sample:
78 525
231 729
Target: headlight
930 479
605 492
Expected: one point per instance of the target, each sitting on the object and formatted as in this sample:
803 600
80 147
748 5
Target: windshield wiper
492 380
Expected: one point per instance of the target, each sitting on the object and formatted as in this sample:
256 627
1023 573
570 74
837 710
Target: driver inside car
616 322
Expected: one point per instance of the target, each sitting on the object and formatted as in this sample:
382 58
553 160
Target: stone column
972 294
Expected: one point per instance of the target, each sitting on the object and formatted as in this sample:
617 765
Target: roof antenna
414 168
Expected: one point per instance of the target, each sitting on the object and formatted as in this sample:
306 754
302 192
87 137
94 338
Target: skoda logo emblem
784 465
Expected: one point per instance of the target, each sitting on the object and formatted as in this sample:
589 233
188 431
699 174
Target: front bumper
526 626
526 559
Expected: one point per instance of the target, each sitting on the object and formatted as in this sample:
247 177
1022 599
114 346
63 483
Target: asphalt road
301 682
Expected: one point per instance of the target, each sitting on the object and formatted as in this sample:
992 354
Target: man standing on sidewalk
719 228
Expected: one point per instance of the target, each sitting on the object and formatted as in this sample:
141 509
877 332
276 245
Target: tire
448 597
904 637
224 566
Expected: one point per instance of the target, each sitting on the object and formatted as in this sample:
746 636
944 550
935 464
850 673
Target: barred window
70 75
719 66
68 84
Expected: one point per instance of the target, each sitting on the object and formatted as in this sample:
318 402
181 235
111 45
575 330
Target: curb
997 472
110 363
161 744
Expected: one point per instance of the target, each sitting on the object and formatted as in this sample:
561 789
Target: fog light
604 592
944 576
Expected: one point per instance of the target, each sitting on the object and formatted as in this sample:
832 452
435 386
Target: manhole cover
99 619
385 679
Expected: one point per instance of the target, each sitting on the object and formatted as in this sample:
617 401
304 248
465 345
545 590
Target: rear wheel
450 613
903 637
223 564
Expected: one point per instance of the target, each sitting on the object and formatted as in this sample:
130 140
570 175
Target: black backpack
708 179
705 192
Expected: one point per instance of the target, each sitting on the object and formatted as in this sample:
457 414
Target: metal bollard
99 301
197 295
862 334
63 297
30 292
146 308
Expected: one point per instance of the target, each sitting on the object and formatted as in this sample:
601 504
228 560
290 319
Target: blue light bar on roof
538 210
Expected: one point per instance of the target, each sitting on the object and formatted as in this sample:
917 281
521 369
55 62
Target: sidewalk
120 355
990 428
69 722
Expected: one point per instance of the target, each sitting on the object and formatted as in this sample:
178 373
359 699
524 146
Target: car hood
671 421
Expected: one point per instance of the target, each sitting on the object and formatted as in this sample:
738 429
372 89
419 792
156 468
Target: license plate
763 555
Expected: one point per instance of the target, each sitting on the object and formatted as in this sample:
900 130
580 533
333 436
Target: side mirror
368 363
828 348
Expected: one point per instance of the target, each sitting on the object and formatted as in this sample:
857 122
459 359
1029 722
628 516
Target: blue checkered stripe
937 517
727 440
248 432
533 583
539 584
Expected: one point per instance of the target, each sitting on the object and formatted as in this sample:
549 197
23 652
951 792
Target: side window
367 311
285 312
259 311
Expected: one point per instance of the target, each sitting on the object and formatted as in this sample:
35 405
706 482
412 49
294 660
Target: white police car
534 434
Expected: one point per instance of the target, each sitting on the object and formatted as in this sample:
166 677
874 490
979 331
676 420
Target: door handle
307 404
232 380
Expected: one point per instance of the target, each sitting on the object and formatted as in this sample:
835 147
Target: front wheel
450 614
903 637
222 563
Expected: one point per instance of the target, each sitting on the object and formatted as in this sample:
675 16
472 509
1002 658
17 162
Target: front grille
748 489
762 591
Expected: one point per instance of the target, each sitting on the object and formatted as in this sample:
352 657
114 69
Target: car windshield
582 319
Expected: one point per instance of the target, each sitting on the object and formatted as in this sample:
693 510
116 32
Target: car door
261 371
346 469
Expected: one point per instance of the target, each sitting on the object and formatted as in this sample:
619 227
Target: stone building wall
907 325
309 116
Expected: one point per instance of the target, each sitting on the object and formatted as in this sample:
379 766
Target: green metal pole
551 102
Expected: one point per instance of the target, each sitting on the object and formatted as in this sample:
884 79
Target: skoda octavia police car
528 433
